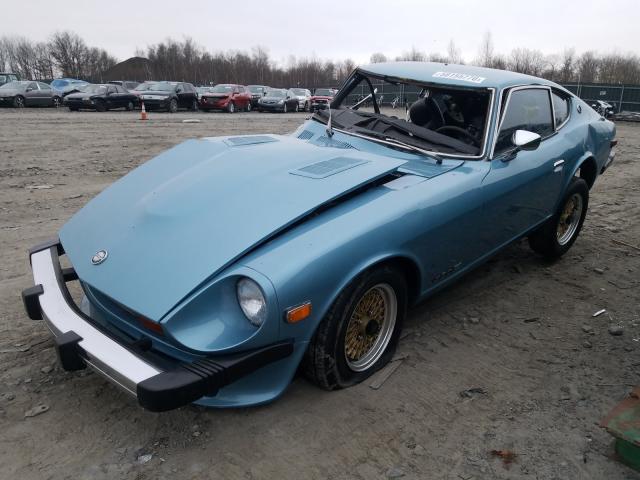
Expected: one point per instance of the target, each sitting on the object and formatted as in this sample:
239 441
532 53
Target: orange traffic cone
143 113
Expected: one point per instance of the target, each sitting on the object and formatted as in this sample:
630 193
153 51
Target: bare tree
485 53
378 57
453 53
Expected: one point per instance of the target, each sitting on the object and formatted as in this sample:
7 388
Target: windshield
299 91
161 87
276 93
19 85
324 92
96 89
143 87
256 89
222 89
204 89
443 119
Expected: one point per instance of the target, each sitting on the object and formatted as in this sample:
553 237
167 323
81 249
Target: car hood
184 216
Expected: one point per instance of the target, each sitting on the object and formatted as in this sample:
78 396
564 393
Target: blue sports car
215 271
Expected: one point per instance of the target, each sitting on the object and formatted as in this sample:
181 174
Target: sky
337 29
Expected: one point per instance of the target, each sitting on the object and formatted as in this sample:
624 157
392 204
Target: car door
47 94
183 100
32 95
291 100
522 187
111 97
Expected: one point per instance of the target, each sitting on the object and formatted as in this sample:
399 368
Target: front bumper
155 103
319 105
81 342
271 107
209 103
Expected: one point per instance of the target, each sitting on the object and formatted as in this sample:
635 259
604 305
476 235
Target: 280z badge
99 257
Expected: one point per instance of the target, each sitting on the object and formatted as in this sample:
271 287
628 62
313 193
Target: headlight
280 102
252 302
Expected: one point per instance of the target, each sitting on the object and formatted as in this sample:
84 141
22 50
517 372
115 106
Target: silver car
304 98
25 93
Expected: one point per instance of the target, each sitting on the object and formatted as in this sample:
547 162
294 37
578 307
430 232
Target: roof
452 74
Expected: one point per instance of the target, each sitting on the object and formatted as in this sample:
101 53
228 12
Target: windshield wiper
398 143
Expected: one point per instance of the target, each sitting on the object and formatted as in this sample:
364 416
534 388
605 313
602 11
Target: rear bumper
80 342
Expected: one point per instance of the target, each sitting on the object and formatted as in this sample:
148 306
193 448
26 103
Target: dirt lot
517 328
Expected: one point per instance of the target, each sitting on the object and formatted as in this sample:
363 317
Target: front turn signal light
296 314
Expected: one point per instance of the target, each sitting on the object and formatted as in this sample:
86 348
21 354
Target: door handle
557 165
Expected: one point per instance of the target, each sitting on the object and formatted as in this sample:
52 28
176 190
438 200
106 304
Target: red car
321 98
225 96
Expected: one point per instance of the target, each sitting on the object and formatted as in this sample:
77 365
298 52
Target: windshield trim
363 74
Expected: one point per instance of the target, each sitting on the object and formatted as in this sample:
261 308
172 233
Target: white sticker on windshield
460 76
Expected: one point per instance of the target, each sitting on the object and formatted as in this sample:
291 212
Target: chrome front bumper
80 342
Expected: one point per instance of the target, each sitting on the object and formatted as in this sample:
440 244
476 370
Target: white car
304 98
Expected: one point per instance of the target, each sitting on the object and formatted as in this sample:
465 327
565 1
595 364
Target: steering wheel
460 130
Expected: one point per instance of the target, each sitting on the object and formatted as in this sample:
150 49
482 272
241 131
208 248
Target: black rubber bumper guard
169 389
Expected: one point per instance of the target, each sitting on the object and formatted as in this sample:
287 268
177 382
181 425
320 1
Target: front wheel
306 106
557 235
18 101
359 334
249 107
173 106
284 108
56 102
194 106
101 106
129 106
231 108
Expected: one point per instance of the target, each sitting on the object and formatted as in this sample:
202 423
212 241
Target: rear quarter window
561 108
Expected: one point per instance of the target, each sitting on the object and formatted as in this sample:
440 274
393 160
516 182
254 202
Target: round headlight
252 302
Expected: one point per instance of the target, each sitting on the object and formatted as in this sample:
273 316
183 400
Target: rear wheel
173 106
129 106
359 334
100 106
18 101
557 235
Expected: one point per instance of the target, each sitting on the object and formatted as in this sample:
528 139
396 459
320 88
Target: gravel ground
518 332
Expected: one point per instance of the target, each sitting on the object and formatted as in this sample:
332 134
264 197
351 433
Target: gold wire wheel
370 327
569 219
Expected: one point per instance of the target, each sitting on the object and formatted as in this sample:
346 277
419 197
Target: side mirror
526 140
29 89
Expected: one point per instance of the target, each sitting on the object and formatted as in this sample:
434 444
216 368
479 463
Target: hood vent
305 135
249 140
327 168
325 141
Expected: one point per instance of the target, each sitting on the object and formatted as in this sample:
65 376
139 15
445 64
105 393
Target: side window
560 108
32 86
111 90
528 109
120 89
44 86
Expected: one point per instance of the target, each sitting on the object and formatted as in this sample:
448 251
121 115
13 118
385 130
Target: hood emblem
99 257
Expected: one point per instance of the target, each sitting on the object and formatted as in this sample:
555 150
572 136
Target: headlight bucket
252 301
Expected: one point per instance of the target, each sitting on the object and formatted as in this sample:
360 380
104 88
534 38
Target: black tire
18 101
100 106
173 106
73 109
325 361
129 106
248 106
306 106
545 240
231 107
194 106
57 102
284 108
297 107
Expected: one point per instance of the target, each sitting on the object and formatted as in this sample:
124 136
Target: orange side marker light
296 314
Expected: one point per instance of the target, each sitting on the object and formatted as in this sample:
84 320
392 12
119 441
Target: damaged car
220 268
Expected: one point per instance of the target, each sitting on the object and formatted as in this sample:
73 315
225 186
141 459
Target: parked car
212 272
257 92
304 98
101 97
603 108
126 84
6 77
25 93
278 100
321 98
68 85
170 96
227 97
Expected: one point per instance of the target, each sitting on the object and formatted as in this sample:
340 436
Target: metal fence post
621 99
